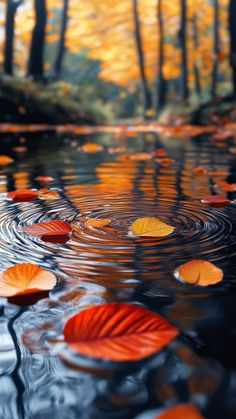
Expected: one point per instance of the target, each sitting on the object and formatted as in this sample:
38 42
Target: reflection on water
99 265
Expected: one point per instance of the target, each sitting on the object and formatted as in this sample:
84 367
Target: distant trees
147 97
61 45
196 46
232 31
161 82
184 89
215 47
11 7
35 63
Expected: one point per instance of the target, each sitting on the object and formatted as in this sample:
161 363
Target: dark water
108 265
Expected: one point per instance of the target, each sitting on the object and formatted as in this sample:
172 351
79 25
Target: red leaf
22 195
118 332
181 411
49 228
215 200
228 187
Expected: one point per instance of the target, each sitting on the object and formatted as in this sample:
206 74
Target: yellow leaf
151 227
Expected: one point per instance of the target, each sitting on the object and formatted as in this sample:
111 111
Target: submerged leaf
199 272
215 200
25 278
49 228
22 195
118 332
97 222
4 160
151 227
181 411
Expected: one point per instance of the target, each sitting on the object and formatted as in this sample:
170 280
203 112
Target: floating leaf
47 194
151 227
49 228
199 272
165 162
228 187
45 179
118 332
160 153
97 222
215 200
199 171
4 160
25 278
141 156
91 147
22 195
181 411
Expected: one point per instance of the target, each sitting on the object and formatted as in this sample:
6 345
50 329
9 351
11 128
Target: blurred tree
61 45
35 64
232 30
161 82
147 97
183 46
11 8
196 46
215 48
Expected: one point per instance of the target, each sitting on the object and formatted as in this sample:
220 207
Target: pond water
103 265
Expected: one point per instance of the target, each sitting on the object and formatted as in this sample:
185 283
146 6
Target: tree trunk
161 82
183 46
61 45
35 65
215 48
147 98
196 45
9 35
232 31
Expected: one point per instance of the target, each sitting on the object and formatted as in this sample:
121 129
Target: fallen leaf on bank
199 171
215 200
22 195
4 160
25 278
91 147
97 222
228 187
181 411
45 179
199 272
118 332
49 228
151 227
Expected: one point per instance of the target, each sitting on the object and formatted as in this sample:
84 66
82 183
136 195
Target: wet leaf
199 272
4 160
49 228
215 200
25 278
228 187
45 179
97 222
151 227
199 171
118 332
22 195
91 147
181 411
47 194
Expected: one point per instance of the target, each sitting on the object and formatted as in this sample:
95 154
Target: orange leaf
140 156
151 227
118 332
215 200
165 162
199 272
49 228
47 194
227 186
96 222
91 147
4 160
25 278
45 179
199 171
22 195
181 411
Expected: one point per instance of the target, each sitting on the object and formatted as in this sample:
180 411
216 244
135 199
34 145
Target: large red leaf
22 195
118 332
181 411
215 200
49 228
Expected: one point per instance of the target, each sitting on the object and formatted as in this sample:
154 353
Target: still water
38 380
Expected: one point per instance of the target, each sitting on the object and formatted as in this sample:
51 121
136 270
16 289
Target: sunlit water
38 377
